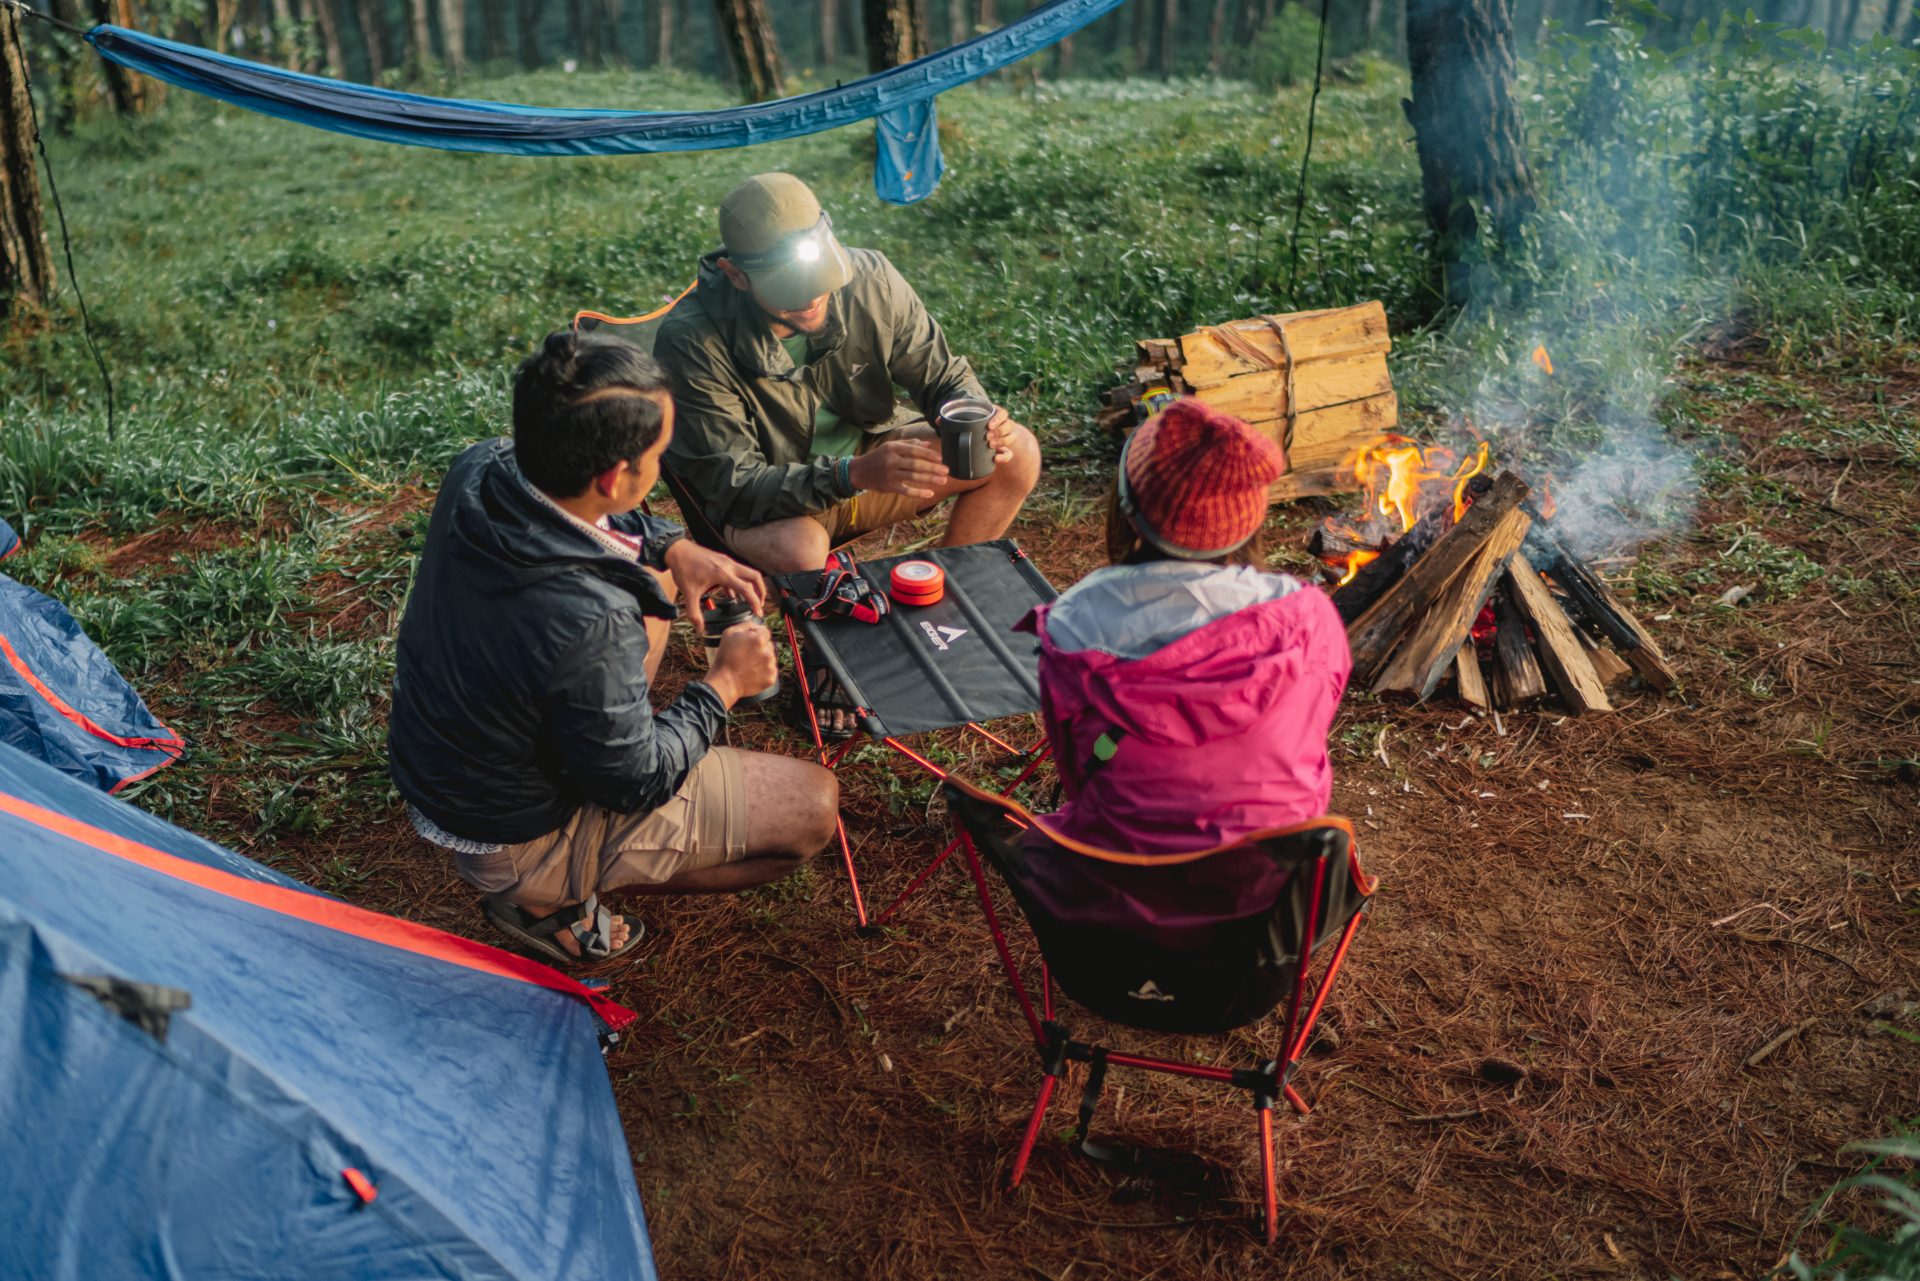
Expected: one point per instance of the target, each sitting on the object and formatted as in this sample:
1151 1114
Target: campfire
1449 573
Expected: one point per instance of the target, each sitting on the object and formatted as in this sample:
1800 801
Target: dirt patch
1586 929
153 550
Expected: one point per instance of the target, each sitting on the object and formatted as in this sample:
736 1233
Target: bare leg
791 818
984 509
782 546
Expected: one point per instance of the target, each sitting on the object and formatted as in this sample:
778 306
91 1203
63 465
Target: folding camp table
924 668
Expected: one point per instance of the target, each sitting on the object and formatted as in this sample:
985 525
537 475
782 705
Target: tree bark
1467 128
527 17
26 263
419 38
747 33
1849 24
281 42
1217 37
893 35
329 19
959 21
373 36
1369 23
453 34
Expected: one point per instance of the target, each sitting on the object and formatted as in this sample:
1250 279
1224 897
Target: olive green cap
773 230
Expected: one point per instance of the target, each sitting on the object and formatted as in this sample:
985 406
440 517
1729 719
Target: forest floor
1585 928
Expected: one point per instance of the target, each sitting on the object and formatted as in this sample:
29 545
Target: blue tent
209 1070
63 701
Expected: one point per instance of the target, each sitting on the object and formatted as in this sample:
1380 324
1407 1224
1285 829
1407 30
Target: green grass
305 327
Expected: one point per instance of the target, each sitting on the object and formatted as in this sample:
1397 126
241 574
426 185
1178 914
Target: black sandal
537 933
827 697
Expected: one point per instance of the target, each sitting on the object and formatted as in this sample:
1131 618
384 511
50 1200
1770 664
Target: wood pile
1316 381
1557 629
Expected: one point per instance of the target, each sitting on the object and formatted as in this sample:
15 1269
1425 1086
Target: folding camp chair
1225 944
925 668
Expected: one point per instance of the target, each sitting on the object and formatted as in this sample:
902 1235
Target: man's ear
605 483
734 274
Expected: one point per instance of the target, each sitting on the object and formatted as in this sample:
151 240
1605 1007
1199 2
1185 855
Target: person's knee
786 548
1023 469
666 582
820 817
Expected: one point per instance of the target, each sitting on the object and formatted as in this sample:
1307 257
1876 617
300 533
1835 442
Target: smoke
1639 487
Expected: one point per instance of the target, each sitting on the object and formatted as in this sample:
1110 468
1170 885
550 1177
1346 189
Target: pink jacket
1219 732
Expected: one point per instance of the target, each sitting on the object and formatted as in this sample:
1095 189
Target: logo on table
1150 991
942 637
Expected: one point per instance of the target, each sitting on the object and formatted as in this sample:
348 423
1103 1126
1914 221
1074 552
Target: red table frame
832 759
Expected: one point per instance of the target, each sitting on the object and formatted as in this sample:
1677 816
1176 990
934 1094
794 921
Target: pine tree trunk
611 50
1167 37
419 38
660 33
281 43
827 33
453 34
893 35
493 30
120 90
329 19
373 36
26 264
959 22
747 33
1466 127
527 17
1217 37
1143 29
1370 24
1852 22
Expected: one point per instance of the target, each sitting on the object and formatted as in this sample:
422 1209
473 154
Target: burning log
1560 651
1467 678
1376 632
1607 665
1433 643
1516 673
1315 381
1594 603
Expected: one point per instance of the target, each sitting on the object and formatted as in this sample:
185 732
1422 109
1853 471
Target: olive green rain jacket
743 414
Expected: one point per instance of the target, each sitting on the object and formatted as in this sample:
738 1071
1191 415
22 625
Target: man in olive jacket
784 361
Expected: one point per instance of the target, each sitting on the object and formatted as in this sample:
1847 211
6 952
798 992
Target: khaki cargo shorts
704 824
864 513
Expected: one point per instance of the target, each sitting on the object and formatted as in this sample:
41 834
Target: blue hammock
899 100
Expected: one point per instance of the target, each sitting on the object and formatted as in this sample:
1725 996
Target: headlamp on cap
806 247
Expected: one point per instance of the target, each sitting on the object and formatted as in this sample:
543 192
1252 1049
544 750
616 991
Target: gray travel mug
722 612
964 448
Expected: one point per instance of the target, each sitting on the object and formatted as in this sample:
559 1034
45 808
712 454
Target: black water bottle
721 612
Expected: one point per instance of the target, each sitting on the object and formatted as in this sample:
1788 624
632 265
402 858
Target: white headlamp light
807 250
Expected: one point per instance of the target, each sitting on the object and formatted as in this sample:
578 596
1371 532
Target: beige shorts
704 824
864 513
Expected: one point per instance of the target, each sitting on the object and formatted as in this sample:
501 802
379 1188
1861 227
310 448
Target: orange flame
1394 473
1357 561
1543 360
1468 470
1548 503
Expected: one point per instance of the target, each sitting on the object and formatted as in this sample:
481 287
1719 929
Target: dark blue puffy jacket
520 690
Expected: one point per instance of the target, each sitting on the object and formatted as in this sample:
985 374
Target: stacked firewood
1557 628
1316 381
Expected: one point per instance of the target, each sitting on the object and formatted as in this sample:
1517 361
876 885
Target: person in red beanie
1188 692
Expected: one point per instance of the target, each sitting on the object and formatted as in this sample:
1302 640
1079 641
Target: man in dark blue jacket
522 737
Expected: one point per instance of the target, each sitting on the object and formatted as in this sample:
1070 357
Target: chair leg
1272 1200
1033 1129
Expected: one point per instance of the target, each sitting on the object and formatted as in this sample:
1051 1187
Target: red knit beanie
1194 481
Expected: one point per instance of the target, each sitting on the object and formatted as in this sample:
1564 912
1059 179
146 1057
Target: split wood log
1337 544
1467 677
1421 659
1217 353
1607 665
1373 634
1595 602
1517 679
1566 663
1298 389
